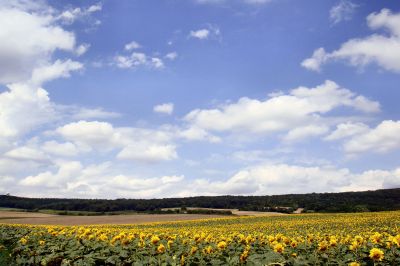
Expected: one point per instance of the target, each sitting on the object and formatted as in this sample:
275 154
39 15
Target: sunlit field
314 239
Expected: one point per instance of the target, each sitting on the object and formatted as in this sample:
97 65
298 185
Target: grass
11 209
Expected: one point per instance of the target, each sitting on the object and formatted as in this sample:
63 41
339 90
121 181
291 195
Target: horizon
138 100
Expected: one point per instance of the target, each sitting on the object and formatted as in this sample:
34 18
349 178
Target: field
312 239
16 217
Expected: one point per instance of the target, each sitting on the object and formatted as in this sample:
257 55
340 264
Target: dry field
12 217
15 217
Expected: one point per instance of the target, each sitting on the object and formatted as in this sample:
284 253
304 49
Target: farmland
306 239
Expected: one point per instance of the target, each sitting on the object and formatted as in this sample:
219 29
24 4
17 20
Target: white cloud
308 109
54 71
196 133
82 113
142 145
66 172
148 153
300 133
136 60
210 32
171 56
318 58
66 149
157 63
343 11
100 181
71 15
132 46
82 49
348 129
383 138
26 153
377 48
19 55
200 34
271 179
165 108
23 109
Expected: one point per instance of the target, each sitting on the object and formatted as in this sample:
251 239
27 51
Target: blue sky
171 98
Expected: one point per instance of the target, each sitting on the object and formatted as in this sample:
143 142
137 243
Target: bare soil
17 217
12 217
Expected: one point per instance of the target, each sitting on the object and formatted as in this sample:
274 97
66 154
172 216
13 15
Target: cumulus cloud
306 116
348 129
132 46
377 48
270 179
56 70
211 31
200 34
136 144
342 11
383 138
148 153
71 15
136 60
300 133
24 109
101 180
165 108
19 55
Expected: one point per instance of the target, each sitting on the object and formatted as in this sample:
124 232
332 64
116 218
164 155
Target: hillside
379 200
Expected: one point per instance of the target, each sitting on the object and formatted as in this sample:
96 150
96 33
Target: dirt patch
17 214
47 219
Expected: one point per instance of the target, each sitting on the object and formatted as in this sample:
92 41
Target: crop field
309 239
33 218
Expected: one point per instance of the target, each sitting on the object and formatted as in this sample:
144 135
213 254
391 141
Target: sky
175 98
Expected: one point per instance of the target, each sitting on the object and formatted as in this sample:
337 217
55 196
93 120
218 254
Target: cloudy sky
173 98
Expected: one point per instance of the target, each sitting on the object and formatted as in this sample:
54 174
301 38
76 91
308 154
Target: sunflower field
309 239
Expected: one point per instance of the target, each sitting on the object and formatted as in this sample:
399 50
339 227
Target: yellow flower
23 241
103 237
222 245
208 250
322 246
396 240
161 248
193 250
154 240
376 254
42 242
279 248
293 244
332 241
354 263
244 255
376 238
170 242
354 245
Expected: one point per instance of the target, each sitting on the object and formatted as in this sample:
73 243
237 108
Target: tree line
378 200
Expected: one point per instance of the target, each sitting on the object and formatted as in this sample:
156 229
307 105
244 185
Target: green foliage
379 200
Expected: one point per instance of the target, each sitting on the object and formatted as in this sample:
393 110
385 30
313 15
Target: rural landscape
199 132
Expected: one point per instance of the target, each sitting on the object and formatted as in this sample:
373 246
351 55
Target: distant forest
379 200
